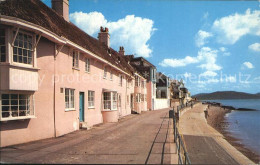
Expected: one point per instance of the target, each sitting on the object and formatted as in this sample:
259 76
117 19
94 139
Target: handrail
182 153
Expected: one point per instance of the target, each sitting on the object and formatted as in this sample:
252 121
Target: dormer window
22 49
75 60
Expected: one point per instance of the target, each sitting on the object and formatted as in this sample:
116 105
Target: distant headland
226 95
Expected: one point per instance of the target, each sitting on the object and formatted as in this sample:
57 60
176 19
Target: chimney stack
121 50
61 7
104 36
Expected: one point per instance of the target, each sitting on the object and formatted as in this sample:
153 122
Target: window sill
17 118
91 108
19 66
87 72
72 109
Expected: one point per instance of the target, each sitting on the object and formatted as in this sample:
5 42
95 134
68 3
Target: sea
244 125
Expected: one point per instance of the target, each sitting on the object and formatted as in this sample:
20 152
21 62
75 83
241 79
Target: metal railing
183 157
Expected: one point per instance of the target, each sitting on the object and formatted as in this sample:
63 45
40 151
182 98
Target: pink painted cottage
55 78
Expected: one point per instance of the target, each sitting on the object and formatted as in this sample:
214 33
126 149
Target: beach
216 119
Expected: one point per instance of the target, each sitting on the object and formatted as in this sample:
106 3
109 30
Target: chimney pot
104 36
121 50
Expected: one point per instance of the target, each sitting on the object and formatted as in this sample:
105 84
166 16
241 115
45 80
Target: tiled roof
38 13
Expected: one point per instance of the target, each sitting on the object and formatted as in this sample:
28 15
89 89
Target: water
245 125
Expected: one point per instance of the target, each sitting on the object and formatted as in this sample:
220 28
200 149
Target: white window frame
111 75
87 65
29 103
105 73
91 99
71 99
110 102
29 49
75 59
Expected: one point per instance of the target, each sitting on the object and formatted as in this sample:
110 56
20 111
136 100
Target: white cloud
89 22
255 47
249 65
209 56
178 62
208 74
201 37
206 56
131 32
231 28
224 51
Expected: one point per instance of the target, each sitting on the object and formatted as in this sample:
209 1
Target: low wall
188 108
161 103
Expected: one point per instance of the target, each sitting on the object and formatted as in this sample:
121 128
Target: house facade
162 91
148 71
54 77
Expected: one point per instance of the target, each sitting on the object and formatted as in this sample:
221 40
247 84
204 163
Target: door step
84 125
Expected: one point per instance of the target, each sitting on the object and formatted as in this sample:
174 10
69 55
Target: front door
81 106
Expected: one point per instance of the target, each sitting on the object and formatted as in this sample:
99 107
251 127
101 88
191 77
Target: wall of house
54 76
82 81
41 127
161 104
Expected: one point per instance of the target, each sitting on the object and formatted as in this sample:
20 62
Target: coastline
216 119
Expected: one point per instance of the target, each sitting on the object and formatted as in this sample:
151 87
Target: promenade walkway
204 144
135 139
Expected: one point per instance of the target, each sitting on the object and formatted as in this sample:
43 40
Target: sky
211 45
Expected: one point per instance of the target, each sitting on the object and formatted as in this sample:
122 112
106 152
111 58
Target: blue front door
81 106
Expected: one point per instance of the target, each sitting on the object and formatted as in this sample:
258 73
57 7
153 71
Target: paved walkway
204 144
135 139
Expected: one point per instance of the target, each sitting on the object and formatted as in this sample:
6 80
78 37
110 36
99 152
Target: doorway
81 106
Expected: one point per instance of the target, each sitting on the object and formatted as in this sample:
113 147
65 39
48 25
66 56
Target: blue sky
212 45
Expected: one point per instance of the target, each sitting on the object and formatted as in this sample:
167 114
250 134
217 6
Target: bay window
22 48
2 46
16 106
69 99
110 100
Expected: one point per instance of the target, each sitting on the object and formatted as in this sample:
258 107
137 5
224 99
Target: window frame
87 65
75 59
120 80
111 75
93 97
105 73
32 46
70 96
111 99
29 104
4 45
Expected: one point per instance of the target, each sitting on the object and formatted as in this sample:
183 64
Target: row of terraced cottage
56 79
